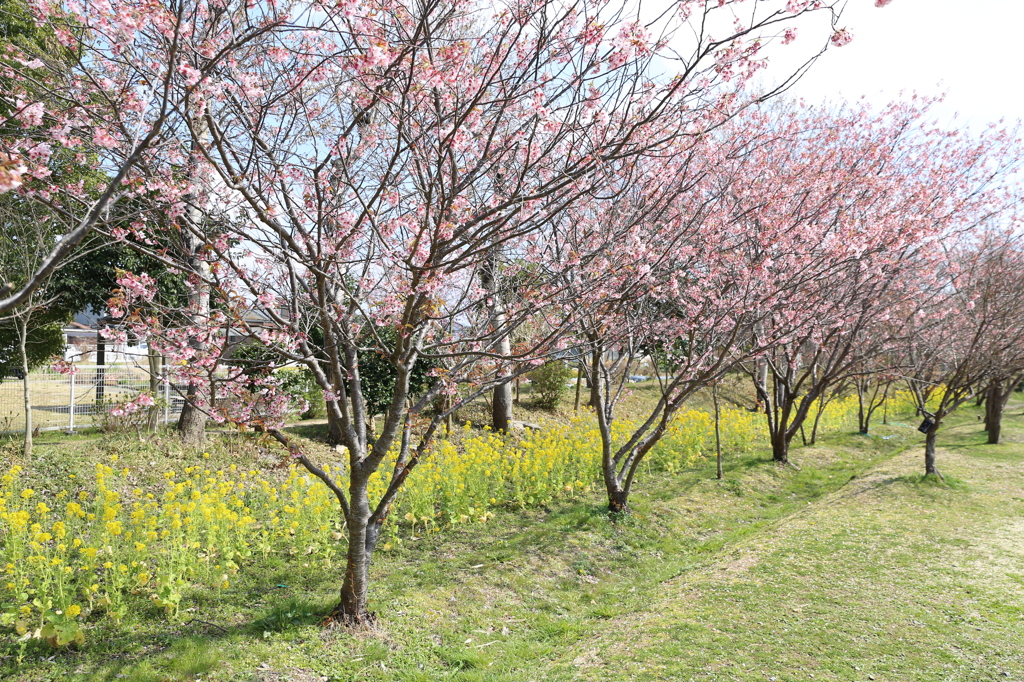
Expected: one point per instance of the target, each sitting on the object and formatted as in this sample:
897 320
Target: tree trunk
862 413
761 383
334 435
929 451
780 447
995 422
595 396
501 399
817 419
449 418
718 431
154 388
25 385
994 411
362 540
777 407
618 501
192 422
579 379
616 488
501 405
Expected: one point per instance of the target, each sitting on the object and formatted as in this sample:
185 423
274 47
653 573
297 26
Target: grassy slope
889 578
771 573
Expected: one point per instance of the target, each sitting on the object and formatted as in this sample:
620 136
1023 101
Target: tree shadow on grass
183 650
315 432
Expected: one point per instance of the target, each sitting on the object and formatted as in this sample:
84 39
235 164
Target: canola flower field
98 548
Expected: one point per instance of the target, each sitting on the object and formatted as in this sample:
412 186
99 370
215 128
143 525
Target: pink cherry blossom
101 137
841 37
11 171
30 115
64 367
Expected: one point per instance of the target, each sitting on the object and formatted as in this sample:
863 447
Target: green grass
852 566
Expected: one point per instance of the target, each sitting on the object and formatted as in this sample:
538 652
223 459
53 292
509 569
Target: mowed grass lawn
891 577
851 568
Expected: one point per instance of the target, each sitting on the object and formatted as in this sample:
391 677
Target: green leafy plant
549 383
298 382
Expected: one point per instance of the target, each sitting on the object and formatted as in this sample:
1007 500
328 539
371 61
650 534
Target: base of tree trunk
501 408
929 454
994 433
994 413
342 616
780 449
618 503
192 425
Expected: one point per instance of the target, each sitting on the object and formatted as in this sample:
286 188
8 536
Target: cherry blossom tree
873 380
686 290
971 334
887 185
1006 359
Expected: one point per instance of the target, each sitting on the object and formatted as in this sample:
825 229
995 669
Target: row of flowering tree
349 168
797 245
969 335
463 190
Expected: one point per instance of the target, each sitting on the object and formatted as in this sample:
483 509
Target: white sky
969 49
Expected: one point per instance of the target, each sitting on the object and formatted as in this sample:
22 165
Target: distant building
82 334
81 339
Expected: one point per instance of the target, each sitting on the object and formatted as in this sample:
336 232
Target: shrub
121 414
549 383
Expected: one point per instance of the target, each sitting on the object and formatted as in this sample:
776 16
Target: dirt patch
289 675
1001 559
741 564
589 659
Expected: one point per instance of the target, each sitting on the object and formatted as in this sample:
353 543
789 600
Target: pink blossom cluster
64 367
11 172
143 400
842 37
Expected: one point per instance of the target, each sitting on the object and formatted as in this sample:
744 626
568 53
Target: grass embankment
850 568
891 577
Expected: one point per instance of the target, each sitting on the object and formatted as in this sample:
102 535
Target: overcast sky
972 50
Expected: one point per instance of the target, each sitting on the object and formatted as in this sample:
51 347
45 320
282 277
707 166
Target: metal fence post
71 407
167 400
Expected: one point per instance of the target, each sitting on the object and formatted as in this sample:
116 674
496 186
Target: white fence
69 402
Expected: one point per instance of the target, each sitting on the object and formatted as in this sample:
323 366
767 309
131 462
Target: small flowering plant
61 626
126 415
